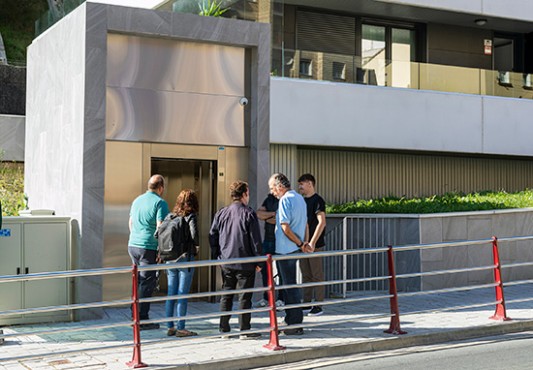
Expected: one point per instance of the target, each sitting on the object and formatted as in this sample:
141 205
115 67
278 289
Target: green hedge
449 202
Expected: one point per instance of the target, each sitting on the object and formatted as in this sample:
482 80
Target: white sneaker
261 303
280 305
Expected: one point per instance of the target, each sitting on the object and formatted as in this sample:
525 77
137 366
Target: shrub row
449 202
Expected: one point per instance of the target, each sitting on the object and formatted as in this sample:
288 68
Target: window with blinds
325 32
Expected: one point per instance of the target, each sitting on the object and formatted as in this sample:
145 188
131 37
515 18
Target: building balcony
377 71
332 114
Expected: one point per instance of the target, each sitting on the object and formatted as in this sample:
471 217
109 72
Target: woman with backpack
180 279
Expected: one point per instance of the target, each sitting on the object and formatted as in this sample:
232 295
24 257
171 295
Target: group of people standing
294 223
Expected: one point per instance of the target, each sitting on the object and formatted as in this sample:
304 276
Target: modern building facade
375 97
403 97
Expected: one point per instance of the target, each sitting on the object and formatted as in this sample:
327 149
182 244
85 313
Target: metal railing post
394 327
274 337
344 257
136 359
500 312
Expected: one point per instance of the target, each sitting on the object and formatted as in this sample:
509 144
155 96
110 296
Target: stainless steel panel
128 167
172 65
173 117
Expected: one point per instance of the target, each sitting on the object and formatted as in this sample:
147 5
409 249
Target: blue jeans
179 282
287 269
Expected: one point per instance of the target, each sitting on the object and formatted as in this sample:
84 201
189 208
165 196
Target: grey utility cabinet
35 244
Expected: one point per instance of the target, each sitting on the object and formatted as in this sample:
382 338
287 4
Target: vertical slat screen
347 175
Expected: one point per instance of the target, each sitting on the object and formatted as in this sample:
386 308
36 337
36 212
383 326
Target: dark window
305 67
339 71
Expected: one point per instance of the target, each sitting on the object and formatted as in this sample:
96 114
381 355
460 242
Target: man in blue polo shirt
291 236
146 214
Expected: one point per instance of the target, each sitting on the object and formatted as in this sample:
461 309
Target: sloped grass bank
12 188
449 202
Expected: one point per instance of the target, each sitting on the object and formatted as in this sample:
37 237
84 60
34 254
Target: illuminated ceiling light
481 21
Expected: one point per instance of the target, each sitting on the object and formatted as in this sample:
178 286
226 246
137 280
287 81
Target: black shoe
149 326
296 331
250 336
308 308
315 311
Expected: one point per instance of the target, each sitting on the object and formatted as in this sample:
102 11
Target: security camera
243 101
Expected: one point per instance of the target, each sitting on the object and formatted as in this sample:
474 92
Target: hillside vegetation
12 188
17 26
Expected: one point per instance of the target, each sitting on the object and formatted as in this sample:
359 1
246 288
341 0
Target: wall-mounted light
481 21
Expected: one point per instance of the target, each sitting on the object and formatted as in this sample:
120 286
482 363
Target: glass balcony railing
404 74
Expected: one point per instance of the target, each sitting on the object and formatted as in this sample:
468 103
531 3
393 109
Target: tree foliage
17 25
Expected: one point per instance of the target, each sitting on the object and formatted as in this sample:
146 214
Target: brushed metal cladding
175 65
174 91
173 117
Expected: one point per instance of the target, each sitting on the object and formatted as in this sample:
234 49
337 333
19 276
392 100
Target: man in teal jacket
147 212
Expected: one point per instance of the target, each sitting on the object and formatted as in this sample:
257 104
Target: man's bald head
156 183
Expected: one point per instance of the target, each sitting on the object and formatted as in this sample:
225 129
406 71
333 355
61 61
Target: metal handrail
442 272
448 290
394 315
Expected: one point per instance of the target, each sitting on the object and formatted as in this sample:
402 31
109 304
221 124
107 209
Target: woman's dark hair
186 203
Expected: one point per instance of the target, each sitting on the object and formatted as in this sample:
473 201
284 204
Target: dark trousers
236 279
270 248
147 279
287 269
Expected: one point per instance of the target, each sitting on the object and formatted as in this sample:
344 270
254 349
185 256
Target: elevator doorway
198 175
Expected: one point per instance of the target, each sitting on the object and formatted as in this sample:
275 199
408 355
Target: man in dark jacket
235 234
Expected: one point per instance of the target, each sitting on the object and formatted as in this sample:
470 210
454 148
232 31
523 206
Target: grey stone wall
65 130
12 131
12 90
475 226
374 231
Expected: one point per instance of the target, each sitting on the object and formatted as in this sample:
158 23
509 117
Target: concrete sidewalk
98 348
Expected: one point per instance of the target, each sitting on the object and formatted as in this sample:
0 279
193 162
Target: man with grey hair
147 212
291 236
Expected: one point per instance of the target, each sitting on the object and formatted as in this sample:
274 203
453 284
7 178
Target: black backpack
173 238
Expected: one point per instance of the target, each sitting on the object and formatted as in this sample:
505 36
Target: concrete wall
66 117
475 226
331 114
55 165
12 130
411 230
513 9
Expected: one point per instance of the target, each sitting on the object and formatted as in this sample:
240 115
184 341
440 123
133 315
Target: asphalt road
506 352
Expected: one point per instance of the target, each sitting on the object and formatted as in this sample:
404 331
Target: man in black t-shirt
312 268
267 213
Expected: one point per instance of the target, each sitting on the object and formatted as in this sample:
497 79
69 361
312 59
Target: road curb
373 345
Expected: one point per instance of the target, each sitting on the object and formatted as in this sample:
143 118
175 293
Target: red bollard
500 313
274 338
394 327
136 359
